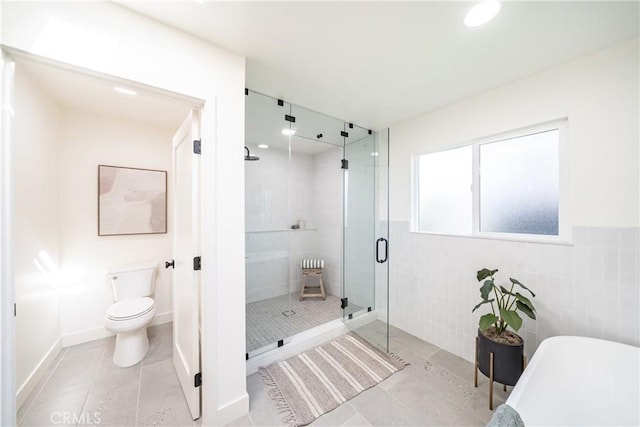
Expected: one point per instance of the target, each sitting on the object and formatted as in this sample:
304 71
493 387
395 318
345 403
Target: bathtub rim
518 392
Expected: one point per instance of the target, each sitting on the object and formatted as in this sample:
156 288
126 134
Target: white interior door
186 246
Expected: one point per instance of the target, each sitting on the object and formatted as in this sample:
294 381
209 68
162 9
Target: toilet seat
130 309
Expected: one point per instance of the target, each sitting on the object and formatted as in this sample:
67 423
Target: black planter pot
507 360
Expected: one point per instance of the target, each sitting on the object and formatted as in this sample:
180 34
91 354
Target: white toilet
132 312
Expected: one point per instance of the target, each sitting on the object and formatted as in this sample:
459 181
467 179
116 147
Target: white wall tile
433 286
628 239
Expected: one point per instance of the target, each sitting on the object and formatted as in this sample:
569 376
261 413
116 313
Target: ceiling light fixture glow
265 146
482 13
288 131
125 91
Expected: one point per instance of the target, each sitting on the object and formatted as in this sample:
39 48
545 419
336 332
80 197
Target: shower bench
312 269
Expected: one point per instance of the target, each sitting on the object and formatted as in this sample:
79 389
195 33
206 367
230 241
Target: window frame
564 235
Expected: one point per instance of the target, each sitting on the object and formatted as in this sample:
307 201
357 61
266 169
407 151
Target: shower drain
288 313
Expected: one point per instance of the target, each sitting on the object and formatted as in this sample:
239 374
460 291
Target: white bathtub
579 381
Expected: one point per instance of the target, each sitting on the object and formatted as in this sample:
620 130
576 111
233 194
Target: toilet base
131 347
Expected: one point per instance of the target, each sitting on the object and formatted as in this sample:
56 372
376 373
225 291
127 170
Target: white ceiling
378 63
78 91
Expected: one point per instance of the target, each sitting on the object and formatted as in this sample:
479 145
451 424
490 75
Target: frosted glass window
519 184
444 186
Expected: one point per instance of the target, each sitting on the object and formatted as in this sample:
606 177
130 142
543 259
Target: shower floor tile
274 319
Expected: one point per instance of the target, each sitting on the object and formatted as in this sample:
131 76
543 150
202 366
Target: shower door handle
386 250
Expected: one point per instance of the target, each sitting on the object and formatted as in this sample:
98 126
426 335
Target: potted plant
499 351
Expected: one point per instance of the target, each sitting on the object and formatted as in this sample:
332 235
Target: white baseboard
162 318
36 375
227 413
307 340
99 333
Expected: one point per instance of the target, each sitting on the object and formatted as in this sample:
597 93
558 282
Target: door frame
7 294
8 57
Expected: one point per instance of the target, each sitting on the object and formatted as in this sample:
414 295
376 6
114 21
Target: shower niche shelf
281 230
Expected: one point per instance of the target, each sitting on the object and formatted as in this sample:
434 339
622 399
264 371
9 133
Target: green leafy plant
505 303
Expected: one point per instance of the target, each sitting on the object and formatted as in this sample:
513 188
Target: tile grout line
95 377
64 351
460 406
138 397
475 391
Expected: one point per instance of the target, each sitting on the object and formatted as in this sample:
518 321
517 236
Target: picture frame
131 201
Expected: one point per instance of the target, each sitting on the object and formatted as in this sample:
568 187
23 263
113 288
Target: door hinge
197 146
197 379
289 118
344 134
196 263
344 303
15 310
345 164
280 343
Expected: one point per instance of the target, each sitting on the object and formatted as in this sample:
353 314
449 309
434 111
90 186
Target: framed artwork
131 201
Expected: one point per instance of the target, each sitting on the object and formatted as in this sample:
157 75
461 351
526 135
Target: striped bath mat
316 381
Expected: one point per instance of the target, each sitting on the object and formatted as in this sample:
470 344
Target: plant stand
492 372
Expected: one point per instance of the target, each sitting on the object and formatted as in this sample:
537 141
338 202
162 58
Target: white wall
590 287
87 140
36 235
110 39
599 95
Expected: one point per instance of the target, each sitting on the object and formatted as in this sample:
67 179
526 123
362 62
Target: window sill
506 238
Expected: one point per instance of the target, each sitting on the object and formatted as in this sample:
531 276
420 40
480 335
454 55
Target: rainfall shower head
249 157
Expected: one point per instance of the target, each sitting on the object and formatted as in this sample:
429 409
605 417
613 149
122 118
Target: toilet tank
133 281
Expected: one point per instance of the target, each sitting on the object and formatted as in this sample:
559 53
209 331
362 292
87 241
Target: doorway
59 261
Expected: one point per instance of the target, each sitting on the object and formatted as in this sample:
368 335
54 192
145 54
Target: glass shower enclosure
315 189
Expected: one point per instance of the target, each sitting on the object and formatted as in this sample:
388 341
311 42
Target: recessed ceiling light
288 131
263 146
125 91
482 13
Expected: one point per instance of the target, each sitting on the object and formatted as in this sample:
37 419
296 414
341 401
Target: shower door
365 233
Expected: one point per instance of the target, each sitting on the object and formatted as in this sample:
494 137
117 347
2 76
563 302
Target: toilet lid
131 308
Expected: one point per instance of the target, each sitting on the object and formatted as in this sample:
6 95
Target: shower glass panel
315 188
365 271
316 207
267 223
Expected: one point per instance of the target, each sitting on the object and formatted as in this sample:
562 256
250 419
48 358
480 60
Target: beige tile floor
435 390
84 387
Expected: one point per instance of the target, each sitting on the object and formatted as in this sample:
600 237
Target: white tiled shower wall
588 288
327 216
279 192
